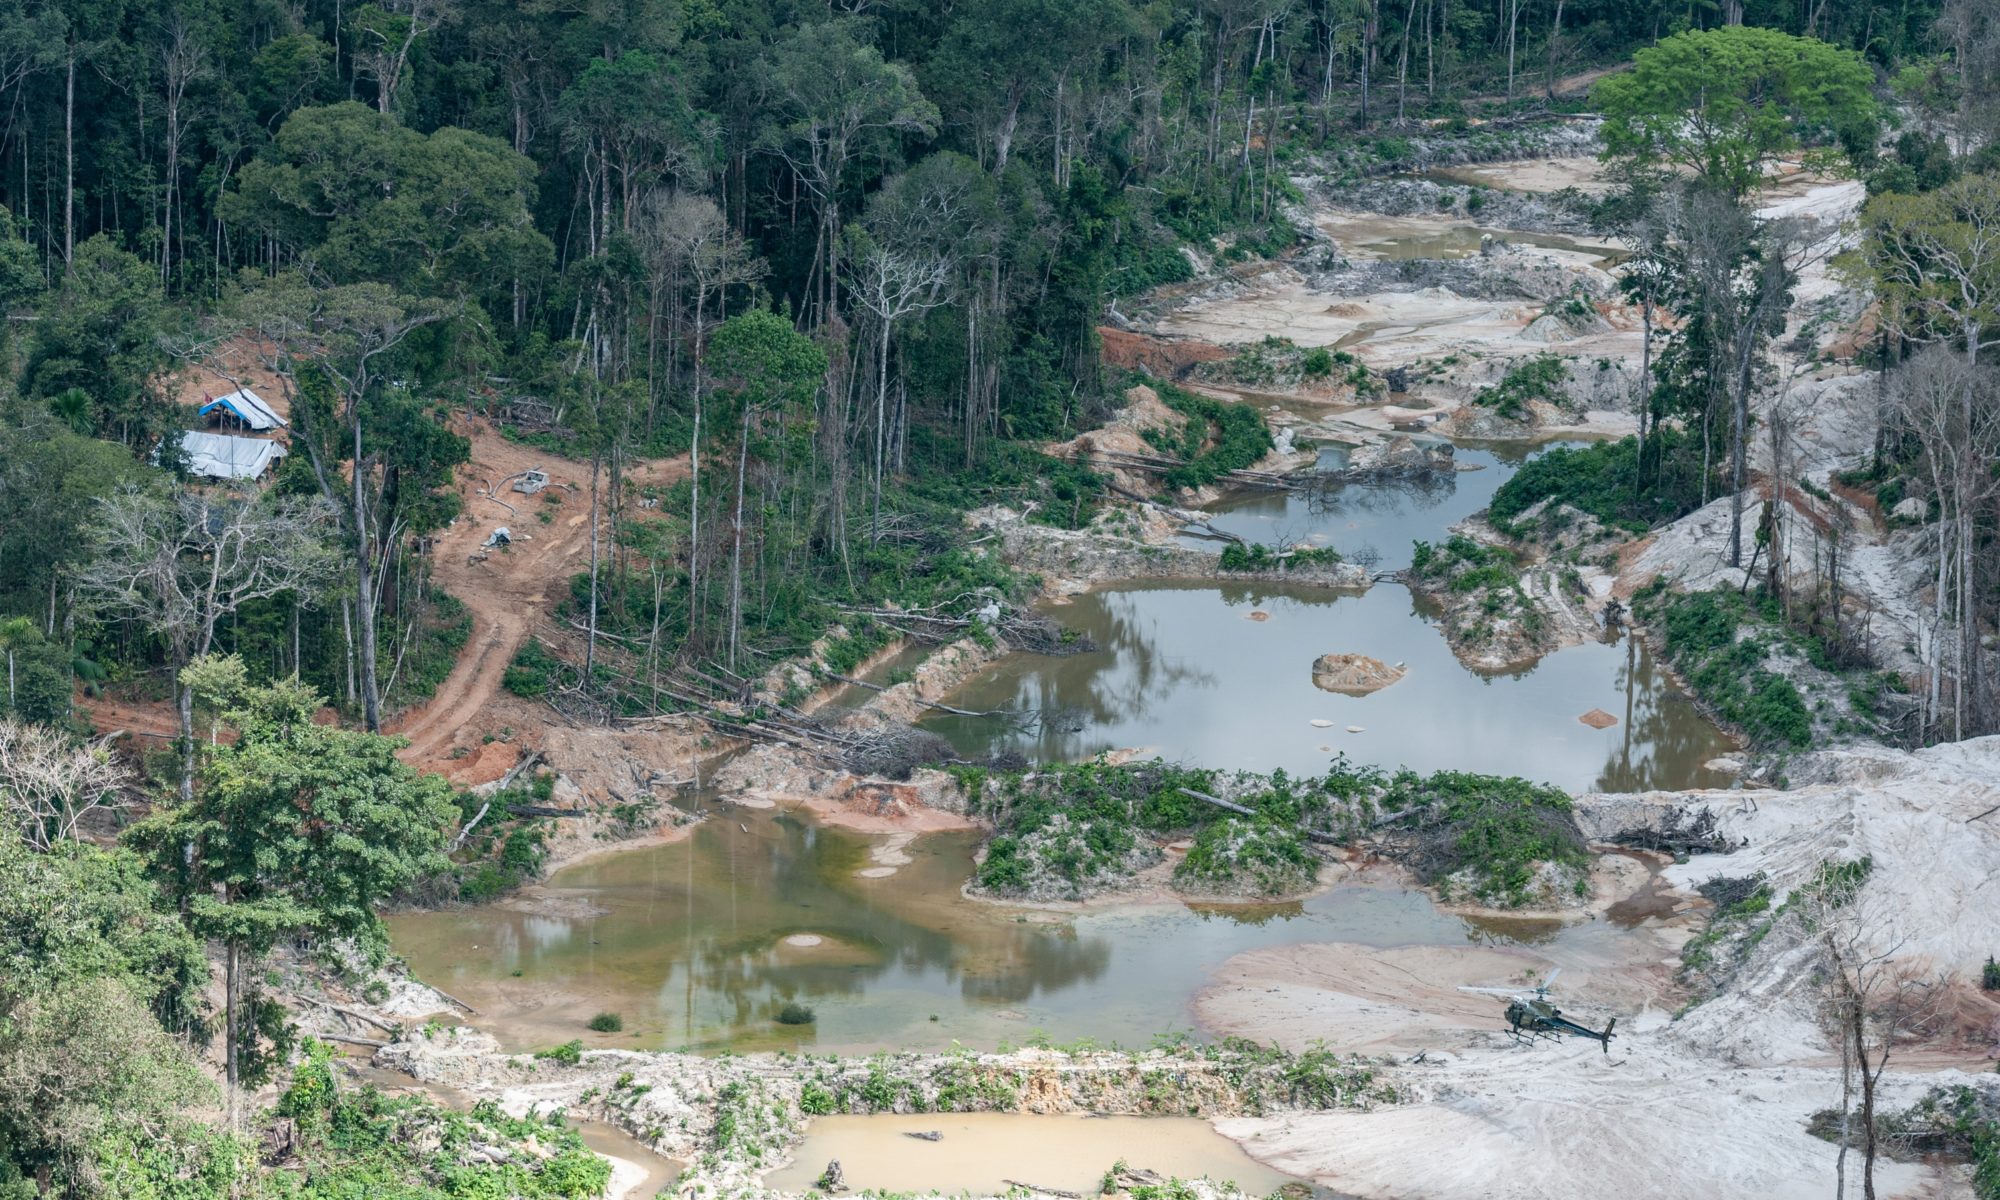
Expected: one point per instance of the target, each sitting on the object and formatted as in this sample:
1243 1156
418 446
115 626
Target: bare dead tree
1953 408
49 781
890 284
180 564
1874 998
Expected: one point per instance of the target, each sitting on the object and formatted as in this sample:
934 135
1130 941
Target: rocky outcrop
1354 674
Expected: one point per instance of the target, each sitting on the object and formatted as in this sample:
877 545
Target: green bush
607 1022
1218 437
1255 556
532 671
568 1054
1539 378
1606 481
1707 638
794 1013
1497 829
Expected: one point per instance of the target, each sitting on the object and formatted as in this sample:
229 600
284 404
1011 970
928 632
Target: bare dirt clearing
507 591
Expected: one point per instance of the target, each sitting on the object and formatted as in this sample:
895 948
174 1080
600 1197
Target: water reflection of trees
740 973
1663 739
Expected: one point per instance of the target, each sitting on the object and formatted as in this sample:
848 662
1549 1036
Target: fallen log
1217 801
528 760
1046 1191
1311 835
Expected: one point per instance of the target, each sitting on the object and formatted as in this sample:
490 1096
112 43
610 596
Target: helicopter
1530 1015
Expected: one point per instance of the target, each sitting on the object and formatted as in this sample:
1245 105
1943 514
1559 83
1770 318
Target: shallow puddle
992 1153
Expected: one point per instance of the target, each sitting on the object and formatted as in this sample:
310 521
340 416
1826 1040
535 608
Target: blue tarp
247 407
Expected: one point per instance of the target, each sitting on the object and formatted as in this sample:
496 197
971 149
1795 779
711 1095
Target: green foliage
298 826
606 1022
1607 480
1492 831
1258 857
532 672
355 1144
1539 378
375 200
1709 640
568 1054
1074 825
99 986
1258 557
1218 438
1723 102
794 1013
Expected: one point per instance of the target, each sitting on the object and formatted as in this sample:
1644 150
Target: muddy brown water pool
689 944
990 1153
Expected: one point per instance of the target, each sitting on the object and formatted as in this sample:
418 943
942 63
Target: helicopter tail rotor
1605 1040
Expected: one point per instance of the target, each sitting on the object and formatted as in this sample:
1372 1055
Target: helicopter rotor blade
1551 980
1492 991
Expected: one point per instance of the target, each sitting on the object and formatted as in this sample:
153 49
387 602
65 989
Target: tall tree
333 350
837 105
765 366
1723 103
296 827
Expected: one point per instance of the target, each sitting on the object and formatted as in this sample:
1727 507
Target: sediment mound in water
1354 674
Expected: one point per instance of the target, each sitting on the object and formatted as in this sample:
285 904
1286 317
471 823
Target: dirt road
507 591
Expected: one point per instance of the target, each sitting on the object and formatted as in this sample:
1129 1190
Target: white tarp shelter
248 407
219 456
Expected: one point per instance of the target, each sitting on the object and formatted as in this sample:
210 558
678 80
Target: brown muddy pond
690 944
988 1154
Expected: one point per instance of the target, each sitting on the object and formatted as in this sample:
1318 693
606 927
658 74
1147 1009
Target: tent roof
219 456
249 407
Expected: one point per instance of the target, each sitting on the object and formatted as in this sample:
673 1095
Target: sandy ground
1569 1122
1533 175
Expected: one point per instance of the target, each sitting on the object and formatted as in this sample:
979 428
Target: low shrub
794 1013
607 1022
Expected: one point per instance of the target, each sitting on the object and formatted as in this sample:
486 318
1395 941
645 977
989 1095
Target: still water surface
984 1154
689 944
